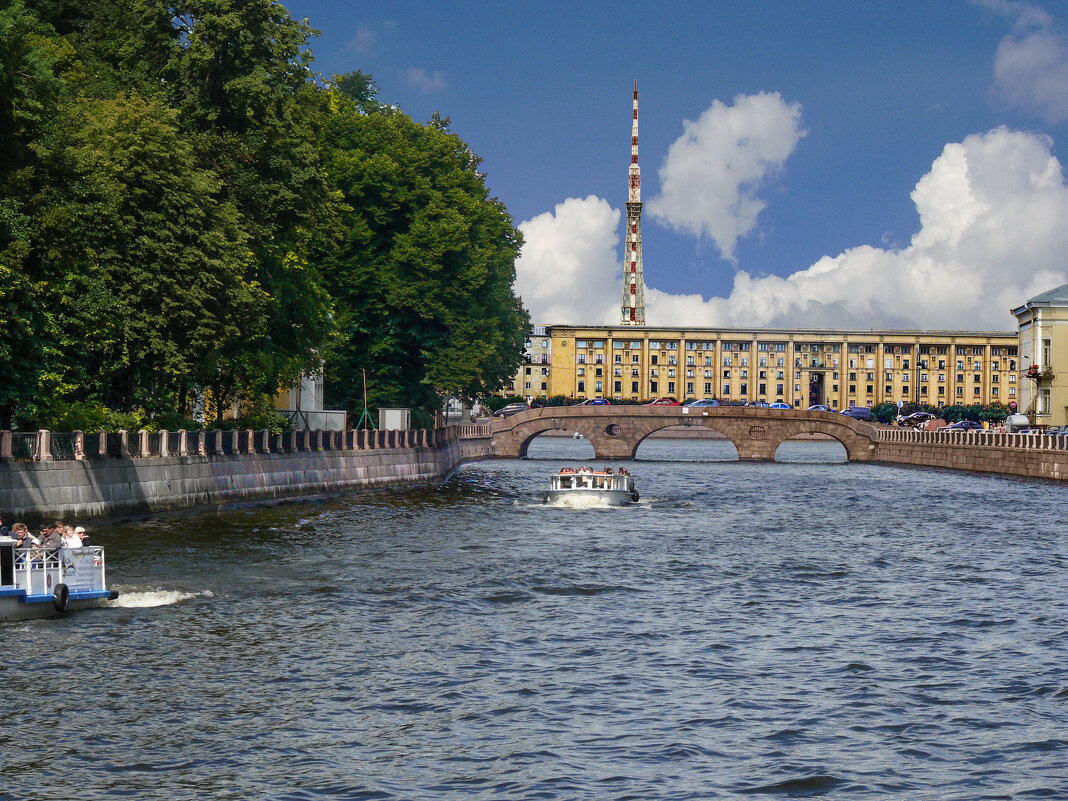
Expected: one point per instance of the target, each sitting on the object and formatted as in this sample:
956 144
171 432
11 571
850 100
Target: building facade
532 379
1043 336
800 367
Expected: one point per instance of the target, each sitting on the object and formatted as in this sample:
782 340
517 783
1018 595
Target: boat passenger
79 531
70 538
51 538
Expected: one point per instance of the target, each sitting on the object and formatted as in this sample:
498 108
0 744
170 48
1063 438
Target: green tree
423 280
154 282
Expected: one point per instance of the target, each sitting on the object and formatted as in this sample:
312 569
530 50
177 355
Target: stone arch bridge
616 431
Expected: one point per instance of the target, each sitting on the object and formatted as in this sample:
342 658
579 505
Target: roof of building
1058 295
1054 297
621 332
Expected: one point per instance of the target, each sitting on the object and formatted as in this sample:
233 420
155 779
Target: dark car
596 402
662 402
858 413
510 409
819 407
963 425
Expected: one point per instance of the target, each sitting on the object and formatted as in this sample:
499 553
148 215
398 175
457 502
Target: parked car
914 420
858 413
780 406
819 407
596 402
510 409
759 404
703 402
963 425
662 402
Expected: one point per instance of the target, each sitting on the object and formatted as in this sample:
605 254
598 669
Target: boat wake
143 599
580 501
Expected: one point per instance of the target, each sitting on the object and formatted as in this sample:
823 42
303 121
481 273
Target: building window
652 387
708 387
671 387
1012 392
597 372
634 371
619 386
689 387
581 386
652 359
618 358
582 358
1044 404
1047 356
763 389
634 359
726 390
599 387
744 389
582 371
634 387
975 391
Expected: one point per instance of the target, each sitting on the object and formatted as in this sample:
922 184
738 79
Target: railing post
164 443
5 445
183 442
44 446
315 440
79 446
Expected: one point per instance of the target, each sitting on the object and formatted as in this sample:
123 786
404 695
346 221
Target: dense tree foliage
184 207
424 275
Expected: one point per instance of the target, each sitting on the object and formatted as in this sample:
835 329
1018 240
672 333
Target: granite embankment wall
1023 455
88 487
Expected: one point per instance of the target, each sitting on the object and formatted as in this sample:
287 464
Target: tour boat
39 582
603 487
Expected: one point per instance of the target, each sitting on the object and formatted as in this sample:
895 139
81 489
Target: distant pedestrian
4 530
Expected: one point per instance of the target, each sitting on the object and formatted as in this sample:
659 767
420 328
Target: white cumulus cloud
567 270
426 82
992 234
711 179
1031 64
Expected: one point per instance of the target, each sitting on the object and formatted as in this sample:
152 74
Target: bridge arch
616 431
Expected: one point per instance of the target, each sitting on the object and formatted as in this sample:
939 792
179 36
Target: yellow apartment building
532 379
1043 335
800 367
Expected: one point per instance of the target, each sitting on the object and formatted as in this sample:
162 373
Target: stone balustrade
978 438
47 446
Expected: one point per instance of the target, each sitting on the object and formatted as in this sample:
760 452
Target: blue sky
846 164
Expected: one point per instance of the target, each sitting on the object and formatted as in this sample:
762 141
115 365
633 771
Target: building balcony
1038 373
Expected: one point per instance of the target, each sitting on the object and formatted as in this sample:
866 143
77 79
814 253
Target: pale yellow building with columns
799 367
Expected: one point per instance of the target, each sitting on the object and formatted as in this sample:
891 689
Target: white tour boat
607 487
39 582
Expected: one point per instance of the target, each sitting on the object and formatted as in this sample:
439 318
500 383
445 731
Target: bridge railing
976 438
46 446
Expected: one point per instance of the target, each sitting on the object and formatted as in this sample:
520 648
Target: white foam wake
139 599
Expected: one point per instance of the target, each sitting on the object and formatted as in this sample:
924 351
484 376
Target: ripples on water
800 629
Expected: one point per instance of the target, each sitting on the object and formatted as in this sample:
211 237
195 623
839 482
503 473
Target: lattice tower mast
633 283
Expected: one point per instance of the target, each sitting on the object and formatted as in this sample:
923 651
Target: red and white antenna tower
633 284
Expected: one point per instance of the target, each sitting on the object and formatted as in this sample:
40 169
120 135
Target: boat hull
592 497
14 607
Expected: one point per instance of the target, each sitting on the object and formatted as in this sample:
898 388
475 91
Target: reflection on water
803 628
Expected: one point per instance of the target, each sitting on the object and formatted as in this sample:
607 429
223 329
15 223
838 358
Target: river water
808 628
